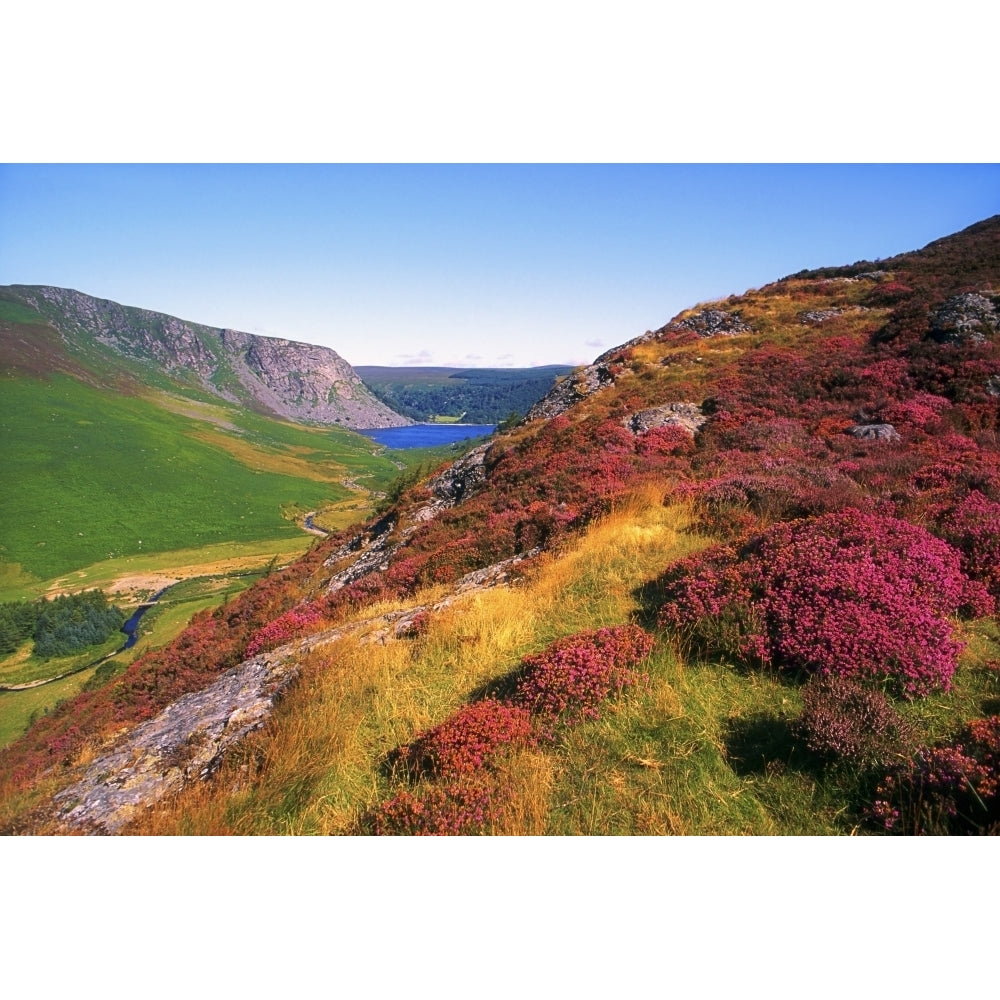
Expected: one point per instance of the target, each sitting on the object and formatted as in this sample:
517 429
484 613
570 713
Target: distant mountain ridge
287 378
474 395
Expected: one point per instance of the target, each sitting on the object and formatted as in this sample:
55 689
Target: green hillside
91 475
476 395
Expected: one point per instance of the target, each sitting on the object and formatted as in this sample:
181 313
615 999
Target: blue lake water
427 435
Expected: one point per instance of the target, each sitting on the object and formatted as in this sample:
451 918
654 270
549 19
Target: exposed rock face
712 323
686 415
291 379
307 382
462 479
579 385
874 432
372 551
969 318
188 740
819 315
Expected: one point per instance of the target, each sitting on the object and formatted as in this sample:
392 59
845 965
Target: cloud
594 343
473 357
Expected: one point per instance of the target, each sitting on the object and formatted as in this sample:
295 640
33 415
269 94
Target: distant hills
46 329
473 395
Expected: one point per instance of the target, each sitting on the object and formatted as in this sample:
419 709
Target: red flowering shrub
469 739
973 527
847 593
568 680
946 789
843 719
665 441
922 410
462 808
285 627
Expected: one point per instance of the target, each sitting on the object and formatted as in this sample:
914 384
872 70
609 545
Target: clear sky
469 265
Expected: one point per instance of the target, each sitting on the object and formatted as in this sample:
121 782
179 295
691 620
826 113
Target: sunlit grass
705 748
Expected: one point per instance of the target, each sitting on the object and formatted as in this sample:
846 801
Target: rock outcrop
685 415
711 323
284 377
579 385
189 739
874 432
462 479
969 318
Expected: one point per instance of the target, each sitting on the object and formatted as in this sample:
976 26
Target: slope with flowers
785 506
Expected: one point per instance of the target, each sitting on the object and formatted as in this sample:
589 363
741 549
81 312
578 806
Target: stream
131 630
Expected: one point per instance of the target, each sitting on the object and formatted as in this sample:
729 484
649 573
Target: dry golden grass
269 460
318 765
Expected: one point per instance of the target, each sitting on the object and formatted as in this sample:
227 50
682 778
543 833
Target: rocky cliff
284 377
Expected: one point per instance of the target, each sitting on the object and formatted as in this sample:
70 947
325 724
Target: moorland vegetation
757 594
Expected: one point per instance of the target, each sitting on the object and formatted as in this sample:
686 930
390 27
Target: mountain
472 395
737 576
96 338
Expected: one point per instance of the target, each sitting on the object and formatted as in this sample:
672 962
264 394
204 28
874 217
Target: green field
91 476
104 490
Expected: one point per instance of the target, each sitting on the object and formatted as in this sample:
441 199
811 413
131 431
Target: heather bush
948 789
846 593
843 719
283 628
568 681
733 504
973 527
461 808
469 740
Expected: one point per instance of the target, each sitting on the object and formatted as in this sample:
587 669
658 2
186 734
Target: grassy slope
705 749
91 476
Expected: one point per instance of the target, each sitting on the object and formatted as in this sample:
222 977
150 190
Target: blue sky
470 265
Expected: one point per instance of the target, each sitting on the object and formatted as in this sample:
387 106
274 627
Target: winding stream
131 630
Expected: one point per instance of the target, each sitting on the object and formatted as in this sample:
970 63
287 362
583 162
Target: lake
427 435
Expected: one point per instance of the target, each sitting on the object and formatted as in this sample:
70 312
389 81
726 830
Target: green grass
91 476
21 669
158 626
19 708
14 312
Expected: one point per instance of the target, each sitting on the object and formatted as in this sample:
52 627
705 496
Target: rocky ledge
189 739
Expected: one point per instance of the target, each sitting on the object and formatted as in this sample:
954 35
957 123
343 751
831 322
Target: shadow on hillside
649 599
502 688
764 744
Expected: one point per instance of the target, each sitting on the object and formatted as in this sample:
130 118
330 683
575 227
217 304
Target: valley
123 476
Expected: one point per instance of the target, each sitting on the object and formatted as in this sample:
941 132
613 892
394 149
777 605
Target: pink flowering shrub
973 527
564 683
946 789
462 808
283 628
567 681
469 740
844 720
847 593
